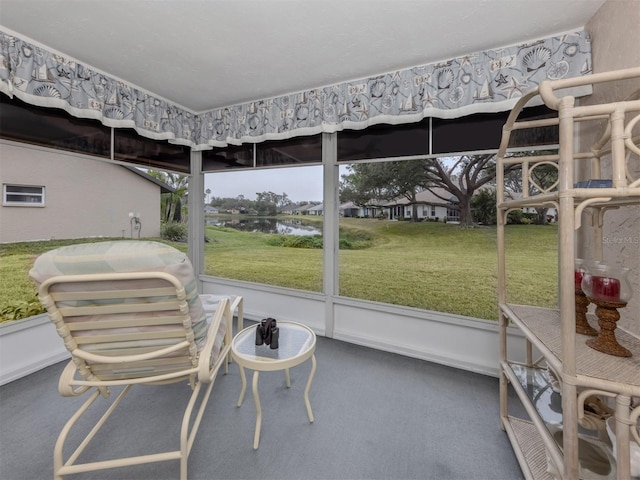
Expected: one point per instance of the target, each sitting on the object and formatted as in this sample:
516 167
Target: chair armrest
204 364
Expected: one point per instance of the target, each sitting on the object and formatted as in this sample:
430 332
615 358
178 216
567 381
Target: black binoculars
268 333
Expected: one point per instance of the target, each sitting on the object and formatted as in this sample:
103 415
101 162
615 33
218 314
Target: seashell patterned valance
488 81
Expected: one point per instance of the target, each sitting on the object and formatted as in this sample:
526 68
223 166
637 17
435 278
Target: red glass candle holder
609 289
582 302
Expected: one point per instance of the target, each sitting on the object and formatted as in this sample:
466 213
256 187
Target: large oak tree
459 177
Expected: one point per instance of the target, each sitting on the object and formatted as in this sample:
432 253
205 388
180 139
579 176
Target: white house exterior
72 196
316 210
428 206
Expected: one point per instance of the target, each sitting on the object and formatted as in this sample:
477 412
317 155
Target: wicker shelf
550 333
542 328
611 197
528 447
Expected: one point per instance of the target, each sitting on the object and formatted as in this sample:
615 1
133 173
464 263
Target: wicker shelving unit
550 334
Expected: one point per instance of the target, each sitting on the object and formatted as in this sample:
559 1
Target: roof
164 188
425 197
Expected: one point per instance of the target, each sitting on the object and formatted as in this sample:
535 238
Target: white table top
296 344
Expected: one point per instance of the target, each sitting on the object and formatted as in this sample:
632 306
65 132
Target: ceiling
205 54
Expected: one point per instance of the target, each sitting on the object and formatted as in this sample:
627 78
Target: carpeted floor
377 416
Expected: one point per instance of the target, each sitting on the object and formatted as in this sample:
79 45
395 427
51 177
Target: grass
16 259
433 266
427 265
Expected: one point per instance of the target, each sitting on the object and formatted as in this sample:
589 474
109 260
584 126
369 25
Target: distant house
427 206
552 213
209 210
316 210
290 209
48 193
350 209
302 209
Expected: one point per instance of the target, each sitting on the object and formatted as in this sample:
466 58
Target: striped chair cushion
120 257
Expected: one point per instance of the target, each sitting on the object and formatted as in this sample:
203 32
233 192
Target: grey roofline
164 188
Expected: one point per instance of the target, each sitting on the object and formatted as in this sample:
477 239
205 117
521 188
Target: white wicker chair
129 314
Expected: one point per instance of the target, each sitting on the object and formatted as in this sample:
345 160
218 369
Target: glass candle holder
609 289
582 302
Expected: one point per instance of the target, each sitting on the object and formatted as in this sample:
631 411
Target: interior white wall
615 40
461 342
27 346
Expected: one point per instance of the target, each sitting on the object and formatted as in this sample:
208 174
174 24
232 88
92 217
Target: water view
267 225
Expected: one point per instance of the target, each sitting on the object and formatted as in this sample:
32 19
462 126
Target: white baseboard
450 361
27 346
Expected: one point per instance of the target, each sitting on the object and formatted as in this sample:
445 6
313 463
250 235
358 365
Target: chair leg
188 437
58 462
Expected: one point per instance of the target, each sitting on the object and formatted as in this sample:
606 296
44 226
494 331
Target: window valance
488 81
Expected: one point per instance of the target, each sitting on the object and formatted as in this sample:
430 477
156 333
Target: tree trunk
464 207
542 216
177 214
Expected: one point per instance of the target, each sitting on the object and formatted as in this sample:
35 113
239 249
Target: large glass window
399 238
266 225
412 252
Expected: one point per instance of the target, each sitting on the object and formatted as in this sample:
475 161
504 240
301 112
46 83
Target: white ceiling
205 54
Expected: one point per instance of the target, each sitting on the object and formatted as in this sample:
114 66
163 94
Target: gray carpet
377 416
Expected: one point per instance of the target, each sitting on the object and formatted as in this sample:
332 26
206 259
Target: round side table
297 344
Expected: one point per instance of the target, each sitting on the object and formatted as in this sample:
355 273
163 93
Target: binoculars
268 333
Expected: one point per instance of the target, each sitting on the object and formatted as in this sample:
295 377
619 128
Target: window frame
13 203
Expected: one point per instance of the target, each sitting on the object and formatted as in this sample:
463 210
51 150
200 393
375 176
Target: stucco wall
615 40
84 197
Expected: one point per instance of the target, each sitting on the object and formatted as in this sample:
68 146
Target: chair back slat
177 334
110 294
116 308
126 321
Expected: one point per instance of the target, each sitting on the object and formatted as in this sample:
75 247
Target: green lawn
426 265
434 266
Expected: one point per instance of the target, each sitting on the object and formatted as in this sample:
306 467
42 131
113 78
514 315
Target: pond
267 225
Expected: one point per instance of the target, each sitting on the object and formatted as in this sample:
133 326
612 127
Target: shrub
21 309
514 217
174 232
315 241
295 241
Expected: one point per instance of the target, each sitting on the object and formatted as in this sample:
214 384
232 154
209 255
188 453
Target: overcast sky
299 183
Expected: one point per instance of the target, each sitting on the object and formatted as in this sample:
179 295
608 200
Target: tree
453 179
171 203
268 203
483 206
461 177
